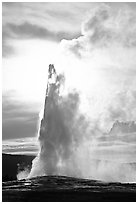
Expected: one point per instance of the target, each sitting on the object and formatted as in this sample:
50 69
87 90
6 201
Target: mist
89 126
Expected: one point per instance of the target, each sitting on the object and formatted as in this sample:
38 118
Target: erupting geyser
56 141
68 145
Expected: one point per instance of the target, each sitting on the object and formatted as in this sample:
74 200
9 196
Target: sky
31 32
72 36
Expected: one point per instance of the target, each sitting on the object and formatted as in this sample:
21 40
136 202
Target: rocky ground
60 188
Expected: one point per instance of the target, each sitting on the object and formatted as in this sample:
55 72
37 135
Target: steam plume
99 89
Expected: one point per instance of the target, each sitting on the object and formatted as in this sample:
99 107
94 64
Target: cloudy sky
31 33
37 34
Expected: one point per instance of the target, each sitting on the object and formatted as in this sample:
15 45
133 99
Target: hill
66 189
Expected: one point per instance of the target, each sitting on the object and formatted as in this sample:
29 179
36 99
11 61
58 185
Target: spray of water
66 147
78 133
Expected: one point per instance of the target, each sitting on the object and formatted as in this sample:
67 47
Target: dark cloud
18 129
29 31
47 21
18 120
7 49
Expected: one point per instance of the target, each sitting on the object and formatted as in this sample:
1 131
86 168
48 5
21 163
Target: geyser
78 133
69 146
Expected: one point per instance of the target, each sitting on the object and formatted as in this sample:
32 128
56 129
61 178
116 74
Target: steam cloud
99 67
